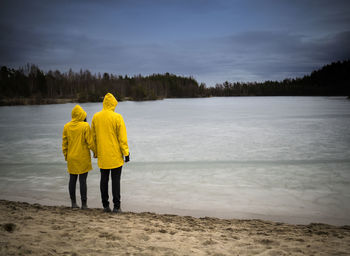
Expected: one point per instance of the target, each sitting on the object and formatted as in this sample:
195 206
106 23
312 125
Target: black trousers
72 185
115 176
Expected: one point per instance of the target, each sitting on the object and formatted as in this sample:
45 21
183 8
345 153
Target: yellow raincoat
76 142
109 134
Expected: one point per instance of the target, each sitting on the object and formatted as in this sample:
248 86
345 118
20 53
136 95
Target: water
275 158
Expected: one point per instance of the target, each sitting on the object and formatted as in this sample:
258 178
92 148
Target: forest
330 80
31 85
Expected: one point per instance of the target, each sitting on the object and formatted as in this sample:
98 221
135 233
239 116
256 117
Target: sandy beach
33 229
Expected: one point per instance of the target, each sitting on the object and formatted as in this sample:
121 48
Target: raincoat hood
78 113
109 102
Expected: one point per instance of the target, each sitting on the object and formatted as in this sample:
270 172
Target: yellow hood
78 114
109 102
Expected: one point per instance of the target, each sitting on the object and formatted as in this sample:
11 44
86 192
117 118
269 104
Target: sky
212 41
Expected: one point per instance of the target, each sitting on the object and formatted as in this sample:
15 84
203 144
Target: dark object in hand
127 158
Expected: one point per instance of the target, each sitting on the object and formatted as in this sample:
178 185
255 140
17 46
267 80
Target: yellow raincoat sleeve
89 139
65 143
122 137
93 136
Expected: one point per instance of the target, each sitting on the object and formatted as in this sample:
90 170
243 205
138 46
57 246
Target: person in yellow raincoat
76 144
109 134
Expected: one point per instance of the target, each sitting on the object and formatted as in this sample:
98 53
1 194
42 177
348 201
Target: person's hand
127 158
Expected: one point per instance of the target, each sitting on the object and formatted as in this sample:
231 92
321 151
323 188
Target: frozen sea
274 158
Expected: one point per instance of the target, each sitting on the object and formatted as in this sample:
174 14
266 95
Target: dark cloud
213 41
277 55
265 55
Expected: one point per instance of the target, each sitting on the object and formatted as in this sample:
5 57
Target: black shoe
107 209
117 210
75 206
83 205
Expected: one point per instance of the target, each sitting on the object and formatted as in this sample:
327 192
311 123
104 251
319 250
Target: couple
107 139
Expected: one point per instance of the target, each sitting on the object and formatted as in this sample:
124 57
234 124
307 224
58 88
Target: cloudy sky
213 41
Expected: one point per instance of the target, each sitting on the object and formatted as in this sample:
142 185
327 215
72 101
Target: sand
33 229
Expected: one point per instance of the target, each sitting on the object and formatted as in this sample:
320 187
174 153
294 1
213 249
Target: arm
93 136
122 137
89 140
65 143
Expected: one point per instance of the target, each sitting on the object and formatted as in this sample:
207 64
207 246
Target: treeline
330 80
83 86
29 82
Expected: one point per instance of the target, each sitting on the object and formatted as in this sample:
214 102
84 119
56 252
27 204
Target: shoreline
34 101
51 230
48 101
6 102
138 208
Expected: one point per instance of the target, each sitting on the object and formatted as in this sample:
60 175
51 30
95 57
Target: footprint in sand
110 236
143 237
9 227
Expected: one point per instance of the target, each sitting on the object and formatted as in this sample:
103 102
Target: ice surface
276 158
